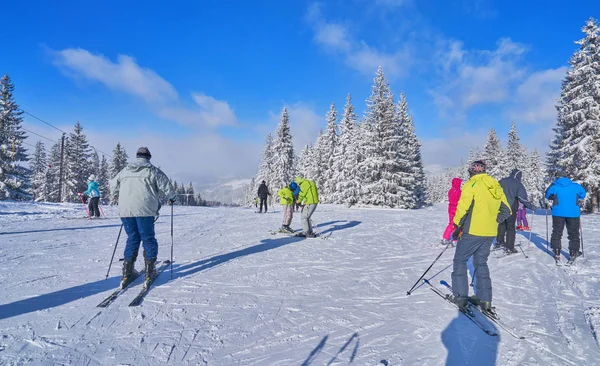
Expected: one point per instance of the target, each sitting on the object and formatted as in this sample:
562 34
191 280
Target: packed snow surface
241 296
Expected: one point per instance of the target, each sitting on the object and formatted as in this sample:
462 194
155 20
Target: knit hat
91 178
143 152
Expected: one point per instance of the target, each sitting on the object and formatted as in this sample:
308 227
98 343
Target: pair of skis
569 263
470 311
143 292
299 235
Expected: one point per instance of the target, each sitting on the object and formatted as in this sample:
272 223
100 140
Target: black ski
112 297
146 288
299 235
571 260
468 312
491 316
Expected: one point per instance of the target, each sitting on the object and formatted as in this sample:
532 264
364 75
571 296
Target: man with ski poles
481 207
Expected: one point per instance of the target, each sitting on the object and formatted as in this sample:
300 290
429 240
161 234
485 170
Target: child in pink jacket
453 197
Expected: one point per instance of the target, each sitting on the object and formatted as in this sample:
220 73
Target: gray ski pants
479 248
306 214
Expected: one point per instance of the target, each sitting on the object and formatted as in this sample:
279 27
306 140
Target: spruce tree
265 171
380 171
39 167
53 173
283 164
15 178
304 161
516 155
119 160
103 179
347 188
575 149
329 142
76 163
494 156
94 164
410 160
190 195
533 178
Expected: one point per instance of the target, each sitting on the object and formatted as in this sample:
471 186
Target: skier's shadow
353 343
347 225
469 345
57 298
60 229
543 245
205 264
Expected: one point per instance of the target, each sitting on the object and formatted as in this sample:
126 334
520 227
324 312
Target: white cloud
358 55
471 78
127 76
536 98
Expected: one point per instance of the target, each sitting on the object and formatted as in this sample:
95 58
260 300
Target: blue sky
202 82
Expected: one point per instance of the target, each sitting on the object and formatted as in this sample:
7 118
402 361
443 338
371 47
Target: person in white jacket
138 186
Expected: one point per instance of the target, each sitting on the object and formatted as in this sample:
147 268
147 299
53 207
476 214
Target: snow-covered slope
240 296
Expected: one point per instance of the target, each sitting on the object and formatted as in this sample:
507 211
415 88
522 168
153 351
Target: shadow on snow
354 341
469 345
60 229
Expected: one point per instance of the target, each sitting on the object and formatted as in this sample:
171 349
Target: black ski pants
263 201
507 232
558 226
93 206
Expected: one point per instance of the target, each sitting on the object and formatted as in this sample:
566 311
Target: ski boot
556 255
128 273
486 307
150 271
511 251
574 254
498 245
526 228
519 228
461 302
311 235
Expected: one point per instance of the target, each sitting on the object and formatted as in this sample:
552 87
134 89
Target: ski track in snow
240 296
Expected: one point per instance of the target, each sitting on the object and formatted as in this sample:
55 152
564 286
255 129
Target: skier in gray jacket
138 186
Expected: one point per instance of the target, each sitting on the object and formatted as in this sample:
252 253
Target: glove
171 201
457 232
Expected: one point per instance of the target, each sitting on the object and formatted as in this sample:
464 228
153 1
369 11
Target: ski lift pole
114 251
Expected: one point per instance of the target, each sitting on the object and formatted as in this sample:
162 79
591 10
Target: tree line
373 161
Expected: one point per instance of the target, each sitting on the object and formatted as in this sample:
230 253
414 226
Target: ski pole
547 242
581 236
427 270
114 251
171 241
102 210
84 205
530 231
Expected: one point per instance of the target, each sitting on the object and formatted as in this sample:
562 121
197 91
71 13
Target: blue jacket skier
565 195
93 192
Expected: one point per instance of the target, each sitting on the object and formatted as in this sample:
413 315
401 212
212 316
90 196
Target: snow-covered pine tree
304 161
53 173
330 140
577 148
347 188
191 195
516 155
534 177
410 160
39 165
103 179
250 195
380 171
119 160
76 164
15 178
283 164
315 160
265 170
494 156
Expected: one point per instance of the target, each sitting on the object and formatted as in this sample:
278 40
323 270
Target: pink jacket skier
453 197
